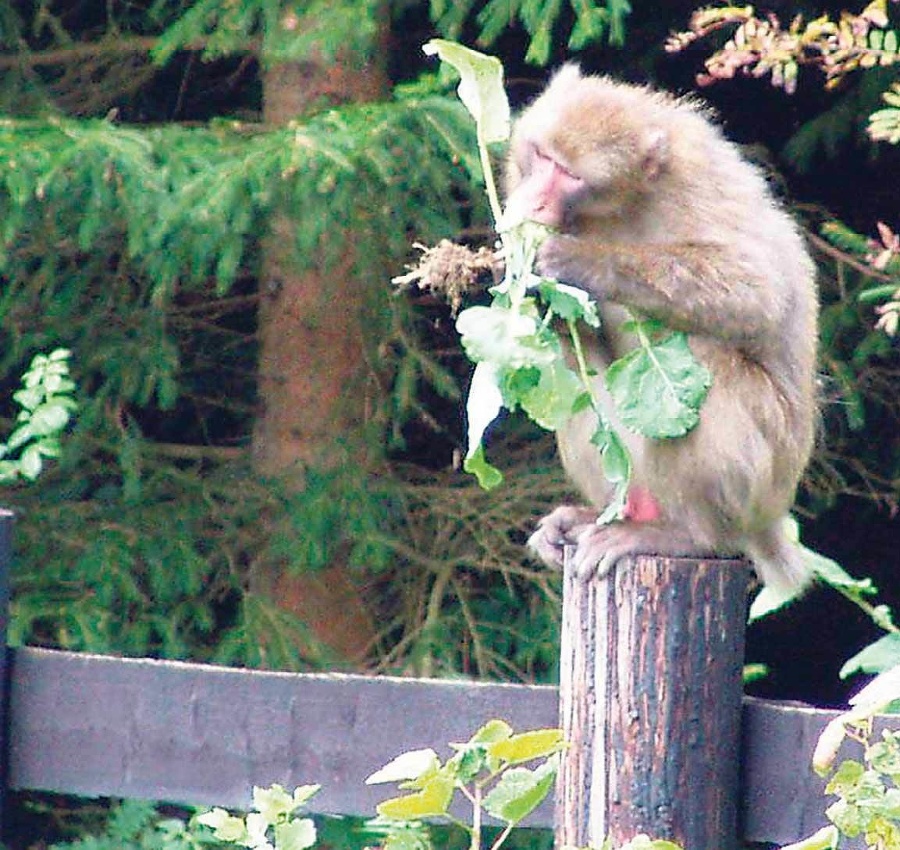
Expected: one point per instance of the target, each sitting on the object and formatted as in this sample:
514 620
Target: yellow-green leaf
432 801
526 746
480 87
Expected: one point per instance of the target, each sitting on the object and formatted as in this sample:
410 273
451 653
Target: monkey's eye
540 159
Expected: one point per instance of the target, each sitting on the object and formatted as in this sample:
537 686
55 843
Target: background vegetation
206 201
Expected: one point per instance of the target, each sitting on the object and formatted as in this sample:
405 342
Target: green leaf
488 475
569 302
769 600
831 572
616 459
877 657
483 406
412 836
30 397
644 842
49 418
226 827
480 87
884 755
410 765
550 403
658 388
504 337
432 800
304 793
257 829
31 463
538 743
493 731
846 778
466 765
273 803
519 791
297 834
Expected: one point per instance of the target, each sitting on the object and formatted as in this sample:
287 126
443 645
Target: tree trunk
311 379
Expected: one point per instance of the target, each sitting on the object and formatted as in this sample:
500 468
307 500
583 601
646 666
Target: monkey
652 209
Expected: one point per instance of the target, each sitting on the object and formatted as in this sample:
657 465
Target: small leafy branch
520 358
47 405
763 46
272 825
486 770
868 791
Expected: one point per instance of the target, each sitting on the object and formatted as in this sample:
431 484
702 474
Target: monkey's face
578 158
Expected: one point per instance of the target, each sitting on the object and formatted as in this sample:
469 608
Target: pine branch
191 202
79 52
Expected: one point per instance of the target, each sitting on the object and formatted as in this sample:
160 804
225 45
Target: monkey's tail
781 563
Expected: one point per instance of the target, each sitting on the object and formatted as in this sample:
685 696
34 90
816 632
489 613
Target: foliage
117 241
884 125
289 33
761 47
46 405
593 22
868 791
137 825
487 770
272 825
297 32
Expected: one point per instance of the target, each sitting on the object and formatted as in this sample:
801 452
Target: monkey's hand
562 527
565 258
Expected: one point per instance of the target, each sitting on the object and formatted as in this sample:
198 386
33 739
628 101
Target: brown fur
673 223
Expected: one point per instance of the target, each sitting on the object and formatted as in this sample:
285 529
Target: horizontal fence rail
100 726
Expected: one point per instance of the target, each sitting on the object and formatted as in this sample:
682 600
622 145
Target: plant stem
489 184
476 819
582 364
502 836
868 609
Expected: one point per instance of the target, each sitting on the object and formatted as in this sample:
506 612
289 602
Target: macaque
655 211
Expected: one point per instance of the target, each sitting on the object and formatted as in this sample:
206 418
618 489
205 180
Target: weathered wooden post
650 701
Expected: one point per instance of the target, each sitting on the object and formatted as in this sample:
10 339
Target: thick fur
673 223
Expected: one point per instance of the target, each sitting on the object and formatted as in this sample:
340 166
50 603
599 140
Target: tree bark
650 703
311 382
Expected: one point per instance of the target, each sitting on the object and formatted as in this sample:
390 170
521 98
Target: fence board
94 725
100 726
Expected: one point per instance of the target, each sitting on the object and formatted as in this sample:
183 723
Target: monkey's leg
560 528
599 547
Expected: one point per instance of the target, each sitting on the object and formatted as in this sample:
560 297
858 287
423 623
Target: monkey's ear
655 152
567 75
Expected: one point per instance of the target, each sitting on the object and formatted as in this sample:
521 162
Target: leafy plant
138 825
272 825
46 406
520 362
868 790
487 771
763 46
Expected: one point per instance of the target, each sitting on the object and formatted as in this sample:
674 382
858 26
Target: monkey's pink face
546 191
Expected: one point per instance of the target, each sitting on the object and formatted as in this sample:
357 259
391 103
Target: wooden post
650 702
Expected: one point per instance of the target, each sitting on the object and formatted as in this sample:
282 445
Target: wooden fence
101 726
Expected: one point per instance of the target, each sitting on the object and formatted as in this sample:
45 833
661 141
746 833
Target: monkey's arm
685 285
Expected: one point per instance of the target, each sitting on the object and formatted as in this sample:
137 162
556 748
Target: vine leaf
658 388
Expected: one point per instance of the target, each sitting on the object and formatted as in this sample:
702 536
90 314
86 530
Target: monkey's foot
600 547
563 527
